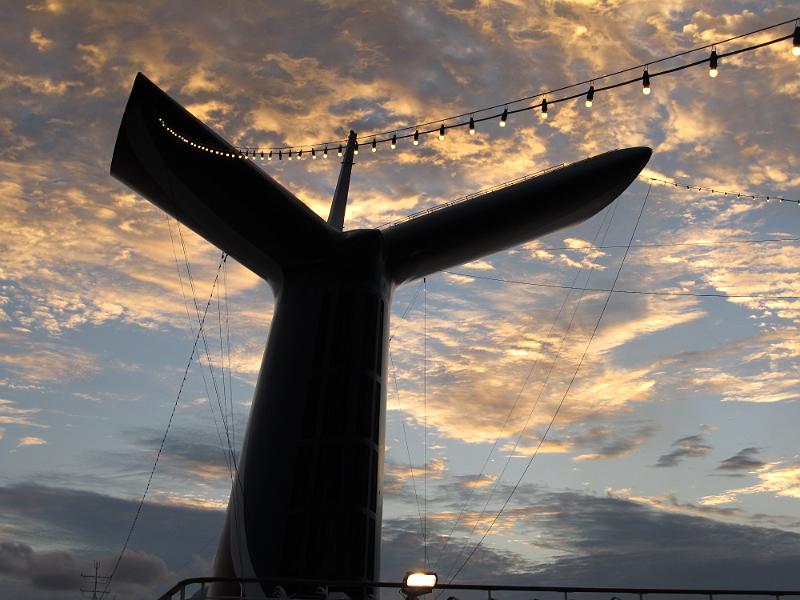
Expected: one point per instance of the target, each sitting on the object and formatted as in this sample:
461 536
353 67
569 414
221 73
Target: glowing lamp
544 108
504 117
441 132
472 126
416 137
590 96
393 145
796 41
713 71
374 147
417 583
646 83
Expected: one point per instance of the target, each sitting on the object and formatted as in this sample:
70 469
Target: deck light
417 583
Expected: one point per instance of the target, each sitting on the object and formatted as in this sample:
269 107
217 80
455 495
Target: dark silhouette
308 496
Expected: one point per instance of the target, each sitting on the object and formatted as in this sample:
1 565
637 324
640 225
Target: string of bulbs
392 137
699 188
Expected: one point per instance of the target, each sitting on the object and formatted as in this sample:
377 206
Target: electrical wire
382 136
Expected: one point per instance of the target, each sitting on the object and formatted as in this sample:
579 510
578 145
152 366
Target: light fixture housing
590 97
441 132
416 137
646 82
280 154
471 125
504 117
417 583
713 71
300 154
796 41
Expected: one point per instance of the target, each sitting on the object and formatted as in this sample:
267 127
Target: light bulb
441 132
262 155
646 83
393 145
589 97
280 154
313 154
796 41
374 147
290 155
471 126
269 156
300 154
355 149
340 150
325 152
504 117
416 137
713 71
544 108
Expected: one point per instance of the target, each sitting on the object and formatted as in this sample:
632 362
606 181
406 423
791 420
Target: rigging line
425 409
166 431
542 389
222 360
566 392
514 406
191 329
405 439
228 344
617 291
205 346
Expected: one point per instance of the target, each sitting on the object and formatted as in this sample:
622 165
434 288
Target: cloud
31 441
10 415
744 461
780 479
692 446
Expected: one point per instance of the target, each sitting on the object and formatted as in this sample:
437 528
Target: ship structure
307 498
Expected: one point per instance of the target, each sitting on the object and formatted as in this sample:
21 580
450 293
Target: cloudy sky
674 458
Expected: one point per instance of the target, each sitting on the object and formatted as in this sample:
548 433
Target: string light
374 147
262 155
738 194
355 150
300 155
796 41
269 156
393 145
441 132
290 155
313 154
712 62
325 152
280 155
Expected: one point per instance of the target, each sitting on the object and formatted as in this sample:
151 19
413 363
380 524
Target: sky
673 460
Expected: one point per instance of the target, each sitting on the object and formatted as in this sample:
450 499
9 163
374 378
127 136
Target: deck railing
332 590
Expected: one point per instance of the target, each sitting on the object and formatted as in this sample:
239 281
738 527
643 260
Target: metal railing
330 590
494 188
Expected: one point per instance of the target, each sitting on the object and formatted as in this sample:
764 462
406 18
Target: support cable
566 392
535 364
166 430
425 409
542 388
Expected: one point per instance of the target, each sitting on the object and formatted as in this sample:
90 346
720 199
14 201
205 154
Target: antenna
339 204
96 581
